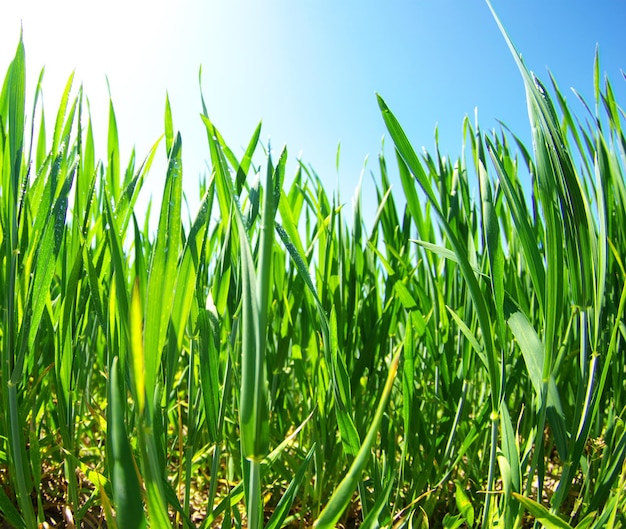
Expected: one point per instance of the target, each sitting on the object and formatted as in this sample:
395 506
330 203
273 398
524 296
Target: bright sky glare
308 70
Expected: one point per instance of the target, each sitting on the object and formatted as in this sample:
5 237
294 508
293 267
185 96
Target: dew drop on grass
59 224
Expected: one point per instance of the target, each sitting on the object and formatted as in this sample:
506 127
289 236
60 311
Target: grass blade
286 501
126 491
341 497
543 515
163 272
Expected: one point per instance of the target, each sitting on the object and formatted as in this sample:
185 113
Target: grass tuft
265 362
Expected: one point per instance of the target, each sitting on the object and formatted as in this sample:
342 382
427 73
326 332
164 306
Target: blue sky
309 70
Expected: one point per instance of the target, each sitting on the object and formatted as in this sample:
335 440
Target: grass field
269 362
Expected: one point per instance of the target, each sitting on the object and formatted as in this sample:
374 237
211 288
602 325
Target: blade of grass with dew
29 156
185 294
132 187
160 293
47 252
185 287
113 156
15 98
163 272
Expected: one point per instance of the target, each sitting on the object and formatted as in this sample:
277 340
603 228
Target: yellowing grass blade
136 347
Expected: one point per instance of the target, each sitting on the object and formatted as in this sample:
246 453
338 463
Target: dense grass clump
461 363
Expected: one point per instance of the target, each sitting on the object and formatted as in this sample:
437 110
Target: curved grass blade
543 515
340 499
11 514
371 521
557 178
407 156
413 170
286 501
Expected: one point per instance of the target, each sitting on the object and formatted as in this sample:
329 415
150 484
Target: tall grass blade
163 272
409 160
12 358
407 155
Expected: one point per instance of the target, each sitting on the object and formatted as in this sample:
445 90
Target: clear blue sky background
309 70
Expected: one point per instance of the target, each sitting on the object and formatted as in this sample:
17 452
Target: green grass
457 362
